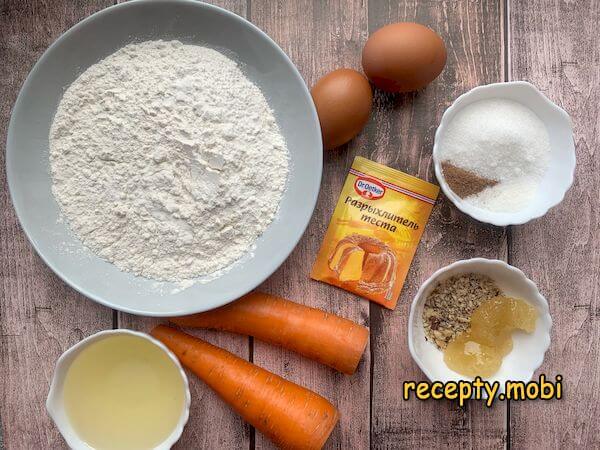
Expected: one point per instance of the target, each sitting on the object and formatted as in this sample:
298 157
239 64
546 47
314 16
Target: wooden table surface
554 44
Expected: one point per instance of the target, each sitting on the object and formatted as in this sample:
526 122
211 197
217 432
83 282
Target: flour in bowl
167 160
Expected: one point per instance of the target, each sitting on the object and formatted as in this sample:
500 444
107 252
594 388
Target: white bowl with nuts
528 350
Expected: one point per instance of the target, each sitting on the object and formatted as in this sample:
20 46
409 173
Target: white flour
504 141
167 161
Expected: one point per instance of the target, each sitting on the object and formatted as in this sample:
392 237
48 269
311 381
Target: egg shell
343 99
403 57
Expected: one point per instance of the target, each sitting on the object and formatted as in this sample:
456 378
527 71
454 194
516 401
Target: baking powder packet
374 232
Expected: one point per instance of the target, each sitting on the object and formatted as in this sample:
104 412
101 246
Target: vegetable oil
123 392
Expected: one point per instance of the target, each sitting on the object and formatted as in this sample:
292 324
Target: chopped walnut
448 308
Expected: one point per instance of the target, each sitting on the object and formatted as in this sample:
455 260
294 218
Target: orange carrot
324 337
291 416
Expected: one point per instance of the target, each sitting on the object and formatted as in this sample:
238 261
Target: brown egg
343 100
403 57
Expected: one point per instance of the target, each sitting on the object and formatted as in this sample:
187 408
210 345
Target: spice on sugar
463 182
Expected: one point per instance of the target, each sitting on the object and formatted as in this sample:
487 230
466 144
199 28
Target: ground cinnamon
464 183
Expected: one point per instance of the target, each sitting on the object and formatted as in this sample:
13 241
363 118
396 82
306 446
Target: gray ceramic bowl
97 37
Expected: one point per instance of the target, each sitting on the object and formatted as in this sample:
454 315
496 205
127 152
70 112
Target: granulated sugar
167 160
501 140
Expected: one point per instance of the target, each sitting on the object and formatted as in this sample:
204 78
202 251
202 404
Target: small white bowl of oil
528 350
119 389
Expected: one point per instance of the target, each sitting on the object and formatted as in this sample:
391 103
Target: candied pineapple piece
351 265
501 340
471 358
523 315
503 313
479 351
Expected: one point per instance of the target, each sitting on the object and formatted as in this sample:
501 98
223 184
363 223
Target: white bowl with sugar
510 133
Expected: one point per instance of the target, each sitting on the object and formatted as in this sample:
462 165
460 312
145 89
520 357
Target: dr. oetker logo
369 189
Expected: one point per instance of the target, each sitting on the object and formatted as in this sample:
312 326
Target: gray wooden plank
556 46
401 135
320 37
212 424
40 316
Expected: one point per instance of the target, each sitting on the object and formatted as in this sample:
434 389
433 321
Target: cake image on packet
374 232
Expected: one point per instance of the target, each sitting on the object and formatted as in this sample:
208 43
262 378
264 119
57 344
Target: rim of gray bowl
17 105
